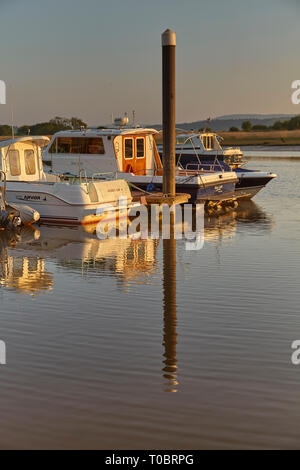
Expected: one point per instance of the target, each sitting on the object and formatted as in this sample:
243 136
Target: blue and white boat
203 151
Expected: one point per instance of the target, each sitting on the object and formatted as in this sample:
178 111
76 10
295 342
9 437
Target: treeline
289 125
44 128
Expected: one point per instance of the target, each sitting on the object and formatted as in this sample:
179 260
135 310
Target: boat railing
207 167
109 175
3 180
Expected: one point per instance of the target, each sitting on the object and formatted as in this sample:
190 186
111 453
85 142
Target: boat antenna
208 121
12 123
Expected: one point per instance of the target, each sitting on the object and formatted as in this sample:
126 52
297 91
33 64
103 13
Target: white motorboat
56 201
129 153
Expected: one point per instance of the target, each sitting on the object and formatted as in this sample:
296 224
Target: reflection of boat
55 200
131 154
226 225
24 274
204 151
74 248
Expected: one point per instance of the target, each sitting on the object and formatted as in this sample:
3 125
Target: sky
93 58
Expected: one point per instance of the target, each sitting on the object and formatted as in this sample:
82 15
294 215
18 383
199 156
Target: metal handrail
3 179
190 138
102 175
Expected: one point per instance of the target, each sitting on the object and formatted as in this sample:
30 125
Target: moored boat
130 153
56 201
203 151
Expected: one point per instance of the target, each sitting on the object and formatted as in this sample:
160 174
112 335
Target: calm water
272 151
108 347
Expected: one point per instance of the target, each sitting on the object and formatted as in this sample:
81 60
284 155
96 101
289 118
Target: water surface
113 345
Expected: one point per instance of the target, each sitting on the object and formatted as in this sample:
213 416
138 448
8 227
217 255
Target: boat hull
249 183
198 191
73 206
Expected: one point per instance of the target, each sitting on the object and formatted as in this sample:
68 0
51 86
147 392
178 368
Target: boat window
181 140
140 147
14 162
64 145
207 142
30 168
128 148
195 141
80 145
52 149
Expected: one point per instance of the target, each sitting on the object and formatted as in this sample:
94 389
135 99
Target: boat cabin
97 151
21 160
206 141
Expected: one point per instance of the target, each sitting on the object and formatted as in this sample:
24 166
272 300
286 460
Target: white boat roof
105 132
39 140
188 136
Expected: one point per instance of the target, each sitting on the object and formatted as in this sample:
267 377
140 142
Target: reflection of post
170 317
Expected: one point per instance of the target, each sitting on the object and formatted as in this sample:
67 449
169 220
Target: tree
5 130
247 126
293 123
234 129
277 126
24 130
77 123
51 127
259 127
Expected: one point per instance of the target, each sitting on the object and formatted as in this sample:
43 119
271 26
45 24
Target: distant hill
224 123
255 116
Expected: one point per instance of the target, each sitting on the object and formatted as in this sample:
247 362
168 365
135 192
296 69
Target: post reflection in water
170 313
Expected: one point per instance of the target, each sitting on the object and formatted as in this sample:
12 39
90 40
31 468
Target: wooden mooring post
169 134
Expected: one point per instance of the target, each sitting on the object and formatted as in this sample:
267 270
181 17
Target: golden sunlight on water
99 333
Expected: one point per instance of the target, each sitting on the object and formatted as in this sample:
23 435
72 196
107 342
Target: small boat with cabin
52 199
204 151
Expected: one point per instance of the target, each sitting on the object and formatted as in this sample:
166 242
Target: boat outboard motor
9 220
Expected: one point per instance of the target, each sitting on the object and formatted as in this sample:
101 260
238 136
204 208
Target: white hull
60 203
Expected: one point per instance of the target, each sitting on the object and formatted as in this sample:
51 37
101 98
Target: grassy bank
267 138
261 138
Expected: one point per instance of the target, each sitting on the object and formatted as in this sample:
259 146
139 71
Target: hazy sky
91 58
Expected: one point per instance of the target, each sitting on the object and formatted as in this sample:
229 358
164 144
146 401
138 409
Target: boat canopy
21 159
41 141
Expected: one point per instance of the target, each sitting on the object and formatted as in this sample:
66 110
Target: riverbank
266 138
